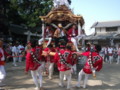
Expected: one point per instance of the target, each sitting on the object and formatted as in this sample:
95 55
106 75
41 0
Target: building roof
103 36
17 29
106 24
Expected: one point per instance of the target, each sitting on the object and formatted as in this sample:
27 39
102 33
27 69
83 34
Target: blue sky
96 10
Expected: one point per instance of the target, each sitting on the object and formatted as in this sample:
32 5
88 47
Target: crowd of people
110 54
65 58
41 60
15 50
70 35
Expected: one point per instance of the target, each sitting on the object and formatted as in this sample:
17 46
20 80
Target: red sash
110 54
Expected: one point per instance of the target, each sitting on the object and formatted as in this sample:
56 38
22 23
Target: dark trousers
106 57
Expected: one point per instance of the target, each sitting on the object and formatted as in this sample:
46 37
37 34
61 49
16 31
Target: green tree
4 24
27 12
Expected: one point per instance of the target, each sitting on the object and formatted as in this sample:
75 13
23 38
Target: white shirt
15 51
73 32
20 48
110 50
102 50
61 33
3 56
48 33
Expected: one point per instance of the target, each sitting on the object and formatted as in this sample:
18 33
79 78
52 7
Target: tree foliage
27 12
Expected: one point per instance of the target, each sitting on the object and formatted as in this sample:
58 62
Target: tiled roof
106 24
103 36
21 30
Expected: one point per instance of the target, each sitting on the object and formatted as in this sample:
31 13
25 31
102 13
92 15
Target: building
20 33
106 33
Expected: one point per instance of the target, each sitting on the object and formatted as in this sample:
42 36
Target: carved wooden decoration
61 14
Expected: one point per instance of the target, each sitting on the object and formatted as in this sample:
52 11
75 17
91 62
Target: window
112 29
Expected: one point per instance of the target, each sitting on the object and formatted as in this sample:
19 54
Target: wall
119 29
100 30
103 30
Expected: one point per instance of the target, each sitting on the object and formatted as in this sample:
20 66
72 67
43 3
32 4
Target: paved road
108 78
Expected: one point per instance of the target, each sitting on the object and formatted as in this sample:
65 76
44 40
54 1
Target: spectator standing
21 49
15 53
106 56
110 53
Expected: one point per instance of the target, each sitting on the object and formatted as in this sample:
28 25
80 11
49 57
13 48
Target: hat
60 25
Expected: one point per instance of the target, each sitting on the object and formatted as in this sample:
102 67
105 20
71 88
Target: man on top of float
47 35
72 35
60 34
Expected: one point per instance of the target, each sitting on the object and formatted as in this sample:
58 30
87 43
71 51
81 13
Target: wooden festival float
64 15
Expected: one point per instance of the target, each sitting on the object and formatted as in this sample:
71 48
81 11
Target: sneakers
68 88
77 50
78 86
39 88
50 78
61 85
84 87
20 61
65 79
15 65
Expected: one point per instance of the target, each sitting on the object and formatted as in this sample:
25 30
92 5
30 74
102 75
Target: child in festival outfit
94 57
33 66
74 62
50 60
64 64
